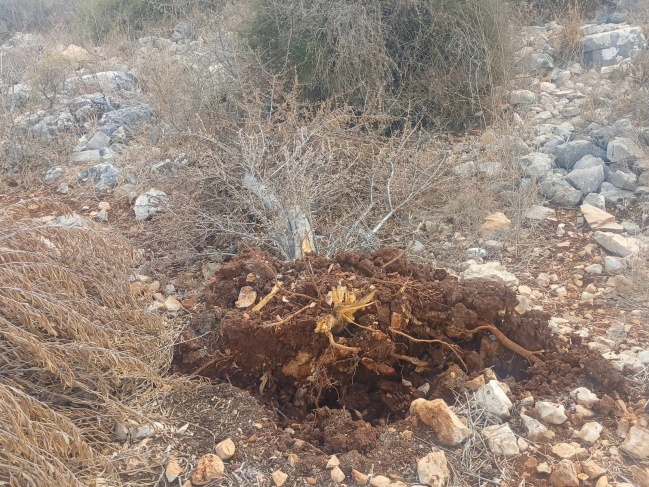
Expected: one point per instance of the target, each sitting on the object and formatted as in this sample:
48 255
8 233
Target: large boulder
93 106
537 165
130 119
608 44
623 180
111 81
557 190
104 176
617 244
613 195
570 152
623 150
586 180
622 128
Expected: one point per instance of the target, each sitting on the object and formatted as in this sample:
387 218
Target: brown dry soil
413 329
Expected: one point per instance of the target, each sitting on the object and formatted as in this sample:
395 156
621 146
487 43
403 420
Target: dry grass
76 350
568 43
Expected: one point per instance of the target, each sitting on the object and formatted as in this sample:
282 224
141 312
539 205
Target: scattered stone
225 449
603 482
551 413
173 470
564 475
522 97
501 440
569 451
333 462
536 61
279 478
523 445
614 265
589 433
631 228
359 477
337 475
445 424
247 297
98 141
584 396
150 203
172 304
537 431
494 399
53 174
491 271
538 212
636 443
596 217
104 176
596 200
496 221
543 469
433 469
127 119
617 244
210 467
594 269
114 81
380 481
592 469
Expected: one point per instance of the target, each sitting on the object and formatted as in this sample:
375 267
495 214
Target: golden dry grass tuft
76 351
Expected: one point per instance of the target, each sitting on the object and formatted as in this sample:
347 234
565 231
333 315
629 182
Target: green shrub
32 15
98 18
433 60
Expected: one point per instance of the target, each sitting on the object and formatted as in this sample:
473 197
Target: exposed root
338 346
268 297
507 343
453 348
215 360
421 364
289 317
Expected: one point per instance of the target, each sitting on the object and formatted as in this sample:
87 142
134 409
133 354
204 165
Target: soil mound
371 333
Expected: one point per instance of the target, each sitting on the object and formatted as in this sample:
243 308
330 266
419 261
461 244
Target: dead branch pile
75 348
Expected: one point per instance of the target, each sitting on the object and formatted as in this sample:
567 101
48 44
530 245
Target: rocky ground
510 368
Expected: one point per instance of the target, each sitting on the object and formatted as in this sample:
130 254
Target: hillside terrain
282 243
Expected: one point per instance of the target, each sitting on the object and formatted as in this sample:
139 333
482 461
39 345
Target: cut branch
299 235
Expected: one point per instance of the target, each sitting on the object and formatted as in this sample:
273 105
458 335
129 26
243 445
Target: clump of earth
348 342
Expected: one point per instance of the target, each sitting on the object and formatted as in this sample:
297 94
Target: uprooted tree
361 332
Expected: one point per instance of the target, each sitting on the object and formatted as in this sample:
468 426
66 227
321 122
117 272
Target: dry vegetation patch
76 351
